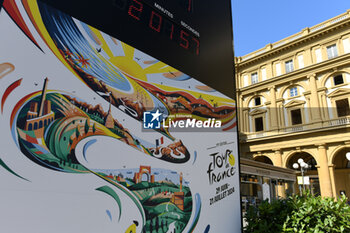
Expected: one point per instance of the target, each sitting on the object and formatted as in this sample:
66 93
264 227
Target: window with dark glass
338 79
259 125
296 116
257 101
342 107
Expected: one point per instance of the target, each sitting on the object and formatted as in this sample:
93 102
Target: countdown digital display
162 21
194 36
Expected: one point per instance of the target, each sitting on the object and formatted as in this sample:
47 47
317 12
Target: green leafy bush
268 217
300 214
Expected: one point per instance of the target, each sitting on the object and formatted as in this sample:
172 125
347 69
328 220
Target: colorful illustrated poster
97 136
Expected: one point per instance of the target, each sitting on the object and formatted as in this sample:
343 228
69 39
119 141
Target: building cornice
297 39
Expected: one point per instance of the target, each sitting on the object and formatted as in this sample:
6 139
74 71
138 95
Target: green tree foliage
268 216
300 214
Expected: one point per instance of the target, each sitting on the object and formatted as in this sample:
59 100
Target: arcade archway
314 184
263 159
341 172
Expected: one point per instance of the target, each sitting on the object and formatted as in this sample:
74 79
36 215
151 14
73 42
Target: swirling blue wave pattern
67 35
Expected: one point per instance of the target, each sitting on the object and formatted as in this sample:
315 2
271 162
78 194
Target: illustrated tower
109 122
43 97
179 197
181 181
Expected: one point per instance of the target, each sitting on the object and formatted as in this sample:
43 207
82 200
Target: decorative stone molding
311 76
257 112
339 92
305 93
321 146
294 103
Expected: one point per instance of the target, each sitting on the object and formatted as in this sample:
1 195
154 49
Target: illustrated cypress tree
86 127
164 226
157 223
94 128
150 227
77 132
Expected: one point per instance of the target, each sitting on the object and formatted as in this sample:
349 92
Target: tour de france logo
221 167
152 120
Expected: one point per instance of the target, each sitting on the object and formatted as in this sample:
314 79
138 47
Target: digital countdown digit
161 23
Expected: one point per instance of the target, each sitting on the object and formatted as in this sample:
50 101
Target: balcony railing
287 130
340 121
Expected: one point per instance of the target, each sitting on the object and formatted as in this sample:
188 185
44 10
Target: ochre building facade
293 102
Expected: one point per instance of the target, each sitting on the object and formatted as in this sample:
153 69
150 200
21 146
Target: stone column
278 162
273 109
323 172
240 113
308 104
269 71
307 57
245 120
281 110
324 105
331 172
314 101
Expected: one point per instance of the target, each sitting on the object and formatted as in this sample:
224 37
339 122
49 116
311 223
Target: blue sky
259 22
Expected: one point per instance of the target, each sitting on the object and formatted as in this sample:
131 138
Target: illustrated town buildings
37 118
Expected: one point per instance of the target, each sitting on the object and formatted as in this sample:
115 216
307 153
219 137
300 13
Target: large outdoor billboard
99 136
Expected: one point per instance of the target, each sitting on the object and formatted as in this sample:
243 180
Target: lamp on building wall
347 156
303 166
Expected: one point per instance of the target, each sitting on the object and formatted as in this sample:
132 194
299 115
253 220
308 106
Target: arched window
257 101
30 126
45 122
35 125
293 91
338 79
40 124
